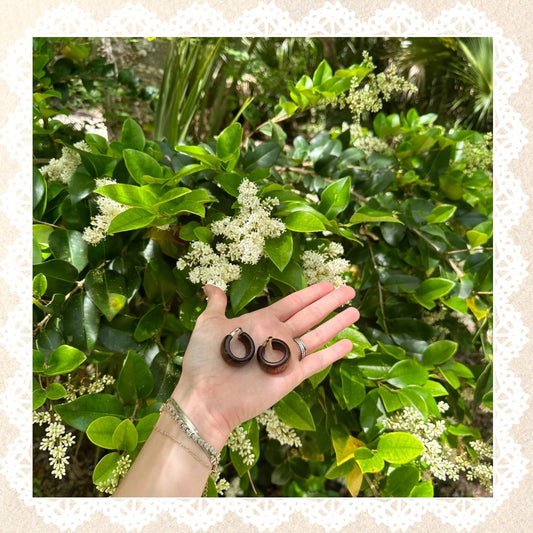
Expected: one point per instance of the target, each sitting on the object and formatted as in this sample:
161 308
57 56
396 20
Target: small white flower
238 442
325 266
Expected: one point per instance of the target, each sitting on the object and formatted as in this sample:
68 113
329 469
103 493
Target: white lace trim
267 19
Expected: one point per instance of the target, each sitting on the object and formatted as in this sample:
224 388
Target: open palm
219 396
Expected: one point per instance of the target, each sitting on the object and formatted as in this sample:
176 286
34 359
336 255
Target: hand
217 396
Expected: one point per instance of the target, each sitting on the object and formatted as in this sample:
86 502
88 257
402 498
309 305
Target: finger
314 313
286 307
216 300
320 360
316 338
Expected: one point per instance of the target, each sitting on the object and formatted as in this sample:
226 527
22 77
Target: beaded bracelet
175 411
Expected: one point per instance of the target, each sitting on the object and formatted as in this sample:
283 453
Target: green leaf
422 490
335 197
39 284
252 283
55 391
369 461
103 471
407 372
63 360
399 447
439 352
132 135
79 413
132 218
140 165
263 156
432 289
200 153
150 323
401 481
38 361
69 245
146 425
303 221
441 213
135 379
322 73
293 410
38 396
125 436
133 195
353 388
369 215
100 431
279 249
476 238
107 290
81 321
229 142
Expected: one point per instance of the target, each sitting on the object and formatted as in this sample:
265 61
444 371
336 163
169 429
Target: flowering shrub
131 229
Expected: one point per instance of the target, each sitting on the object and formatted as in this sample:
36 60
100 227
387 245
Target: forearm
169 464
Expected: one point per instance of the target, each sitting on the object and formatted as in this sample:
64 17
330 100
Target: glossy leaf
367 215
140 165
79 413
369 461
69 245
63 360
252 282
150 323
107 290
293 410
407 372
399 447
303 221
335 197
132 135
100 431
279 249
439 352
135 380
132 218
125 436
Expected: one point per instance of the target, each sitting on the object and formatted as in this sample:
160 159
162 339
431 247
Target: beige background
514 17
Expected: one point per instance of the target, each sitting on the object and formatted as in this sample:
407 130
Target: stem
380 289
441 254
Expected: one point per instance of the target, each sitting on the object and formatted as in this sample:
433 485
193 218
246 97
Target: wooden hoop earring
274 367
227 353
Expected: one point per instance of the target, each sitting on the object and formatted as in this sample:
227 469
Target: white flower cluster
62 169
234 488
41 417
239 442
278 430
367 142
121 468
244 235
477 155
378 88
108 210
91 385
57 442
325 266
210 267
246 232
443 461
221 484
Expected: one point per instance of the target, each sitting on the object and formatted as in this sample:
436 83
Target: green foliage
413 216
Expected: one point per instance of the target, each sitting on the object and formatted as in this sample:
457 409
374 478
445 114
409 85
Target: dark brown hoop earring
229 356
274 367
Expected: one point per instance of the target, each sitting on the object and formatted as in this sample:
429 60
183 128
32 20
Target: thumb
216 300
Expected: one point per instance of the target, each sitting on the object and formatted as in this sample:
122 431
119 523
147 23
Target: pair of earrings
272 367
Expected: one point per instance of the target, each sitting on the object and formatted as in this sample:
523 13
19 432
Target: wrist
211 427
